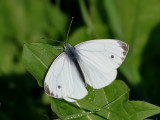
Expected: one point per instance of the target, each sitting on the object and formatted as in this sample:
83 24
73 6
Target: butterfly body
73 56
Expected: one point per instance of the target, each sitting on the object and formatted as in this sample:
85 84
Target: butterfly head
67 46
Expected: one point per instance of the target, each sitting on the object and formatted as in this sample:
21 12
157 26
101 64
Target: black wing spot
112 56
59 86
123 45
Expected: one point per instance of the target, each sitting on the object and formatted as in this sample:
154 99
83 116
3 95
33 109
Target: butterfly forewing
99 60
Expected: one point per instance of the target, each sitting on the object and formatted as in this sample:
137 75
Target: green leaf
108 103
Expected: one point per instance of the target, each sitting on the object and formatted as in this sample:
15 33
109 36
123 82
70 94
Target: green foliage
23 21
136 22
109 103
133 21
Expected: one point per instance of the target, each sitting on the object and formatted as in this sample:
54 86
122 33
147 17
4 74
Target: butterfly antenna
69 28
51 39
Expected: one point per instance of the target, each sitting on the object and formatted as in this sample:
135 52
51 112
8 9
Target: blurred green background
136 22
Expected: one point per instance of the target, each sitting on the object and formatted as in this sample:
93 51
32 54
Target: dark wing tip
124 46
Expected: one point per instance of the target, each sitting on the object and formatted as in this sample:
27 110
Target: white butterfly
93 62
